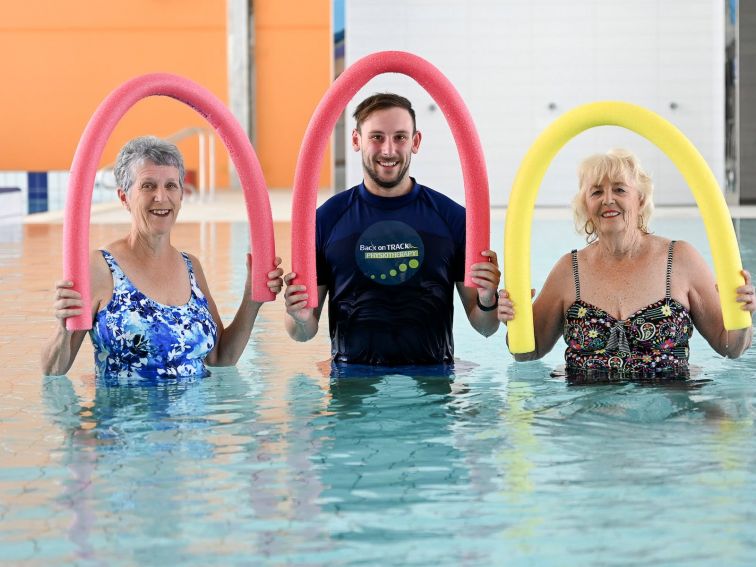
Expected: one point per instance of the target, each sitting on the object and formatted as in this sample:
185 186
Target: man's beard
373 174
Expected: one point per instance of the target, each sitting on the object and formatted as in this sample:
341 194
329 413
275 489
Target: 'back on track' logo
389 252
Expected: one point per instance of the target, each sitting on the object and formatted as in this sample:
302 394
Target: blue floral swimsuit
652 341
137 337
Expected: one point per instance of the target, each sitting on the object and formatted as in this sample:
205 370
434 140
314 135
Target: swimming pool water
274 463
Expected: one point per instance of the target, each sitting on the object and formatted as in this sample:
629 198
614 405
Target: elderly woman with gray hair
628 302
153 315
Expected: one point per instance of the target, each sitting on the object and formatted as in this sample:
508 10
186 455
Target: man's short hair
382 101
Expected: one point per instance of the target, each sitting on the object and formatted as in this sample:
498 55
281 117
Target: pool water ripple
284 460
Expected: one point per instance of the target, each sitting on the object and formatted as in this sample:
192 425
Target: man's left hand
487 276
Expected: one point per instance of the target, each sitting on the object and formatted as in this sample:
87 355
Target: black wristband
490 308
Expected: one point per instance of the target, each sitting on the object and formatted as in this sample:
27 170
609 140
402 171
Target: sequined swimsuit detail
135 337
653 340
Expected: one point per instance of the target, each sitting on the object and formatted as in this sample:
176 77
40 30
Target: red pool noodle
307 172
87 158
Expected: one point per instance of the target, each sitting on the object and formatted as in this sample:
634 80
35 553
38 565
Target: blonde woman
628 302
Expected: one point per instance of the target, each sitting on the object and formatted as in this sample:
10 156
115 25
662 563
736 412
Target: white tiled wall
520 64
14 204
57 182
58 186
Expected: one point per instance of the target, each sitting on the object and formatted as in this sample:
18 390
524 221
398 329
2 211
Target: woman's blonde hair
616 165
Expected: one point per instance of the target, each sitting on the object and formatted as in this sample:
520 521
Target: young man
389 254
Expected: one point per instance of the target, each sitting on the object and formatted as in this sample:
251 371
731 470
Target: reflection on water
281 461
139 455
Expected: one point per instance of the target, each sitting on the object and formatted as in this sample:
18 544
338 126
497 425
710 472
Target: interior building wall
747 101
293 46
520 65
61 59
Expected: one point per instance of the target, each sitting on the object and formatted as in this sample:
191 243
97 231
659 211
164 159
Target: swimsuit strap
120 281
190 268
669 270
575 275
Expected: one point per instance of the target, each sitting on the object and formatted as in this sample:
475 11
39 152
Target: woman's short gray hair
616 165
146 148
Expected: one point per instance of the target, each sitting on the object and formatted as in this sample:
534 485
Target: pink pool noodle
321 126
87 158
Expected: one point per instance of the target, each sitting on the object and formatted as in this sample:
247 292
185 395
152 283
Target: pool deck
228 205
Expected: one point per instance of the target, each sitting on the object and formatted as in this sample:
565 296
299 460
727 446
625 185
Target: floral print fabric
135 337
654 339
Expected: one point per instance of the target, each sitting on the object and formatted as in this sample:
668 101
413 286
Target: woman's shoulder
101 258
662 243
563 266
196 268
117 249
687 261
683 252
192 259
583 254
101 278
682 246
98 265
566 258
559 286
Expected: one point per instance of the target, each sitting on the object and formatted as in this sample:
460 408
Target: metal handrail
104 179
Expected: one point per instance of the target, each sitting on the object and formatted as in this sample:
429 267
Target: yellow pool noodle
662 133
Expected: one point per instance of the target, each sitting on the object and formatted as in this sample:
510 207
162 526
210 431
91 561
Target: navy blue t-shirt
391 264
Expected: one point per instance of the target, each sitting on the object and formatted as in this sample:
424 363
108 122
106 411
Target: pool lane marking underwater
661 132
318 133
88 155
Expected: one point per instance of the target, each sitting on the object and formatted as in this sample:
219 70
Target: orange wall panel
293 13
294 68
67 56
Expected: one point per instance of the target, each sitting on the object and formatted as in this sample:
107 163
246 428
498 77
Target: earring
591 230
641 224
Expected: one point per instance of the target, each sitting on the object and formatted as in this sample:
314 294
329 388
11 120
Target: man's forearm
301 331
485 322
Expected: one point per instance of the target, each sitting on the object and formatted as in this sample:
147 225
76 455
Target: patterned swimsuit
652 341
137 337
